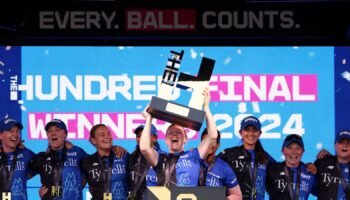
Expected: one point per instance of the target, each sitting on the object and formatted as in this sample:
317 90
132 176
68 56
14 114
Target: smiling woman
178 167
290 179
59 165
106 174
13 161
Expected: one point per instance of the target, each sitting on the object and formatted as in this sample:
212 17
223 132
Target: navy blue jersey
119 180
220 175
239 163
186 169
72 175
18 187
329 178
276 181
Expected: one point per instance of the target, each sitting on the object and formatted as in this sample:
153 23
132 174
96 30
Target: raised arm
204 146
147 150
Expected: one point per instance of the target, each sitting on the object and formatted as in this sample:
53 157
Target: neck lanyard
204 172
343 183
106 172
252 175
58 166
289 183
170 163
8 174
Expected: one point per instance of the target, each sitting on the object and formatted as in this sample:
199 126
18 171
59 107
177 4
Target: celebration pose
333 171
178 167
141 173
217 173
14 170
60 166
290 179
249 161
106 174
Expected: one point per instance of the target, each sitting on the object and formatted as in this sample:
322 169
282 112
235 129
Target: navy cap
56 122
142 126
293 138
342 135
7 123
250 120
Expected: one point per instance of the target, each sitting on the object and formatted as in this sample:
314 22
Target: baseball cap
7 123
345 134
57 122
250 120
293 138
142 126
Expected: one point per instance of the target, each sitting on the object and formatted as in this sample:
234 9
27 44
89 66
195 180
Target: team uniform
239 160
219 173
96 169
182 169
21 172
282 181
329 178
141 174
71 176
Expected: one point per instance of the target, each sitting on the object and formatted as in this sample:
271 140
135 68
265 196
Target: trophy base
176 113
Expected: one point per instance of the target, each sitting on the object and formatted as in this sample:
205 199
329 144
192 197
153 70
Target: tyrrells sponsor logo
183 163
240 165
117 169
328 179
71 162
48 168
20 166
151 178
213 182
282 185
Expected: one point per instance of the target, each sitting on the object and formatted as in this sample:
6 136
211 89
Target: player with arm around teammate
218 173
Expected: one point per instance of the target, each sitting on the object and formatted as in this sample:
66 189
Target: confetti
193 54
227 60
346 75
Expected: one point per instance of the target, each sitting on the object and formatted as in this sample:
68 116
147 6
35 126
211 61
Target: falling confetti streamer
346 75
256 107
227 61
23 108
242 107
343 61
319 145
282 157
193 54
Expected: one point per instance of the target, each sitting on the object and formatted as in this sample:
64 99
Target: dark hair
205 132
260 153
93 130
